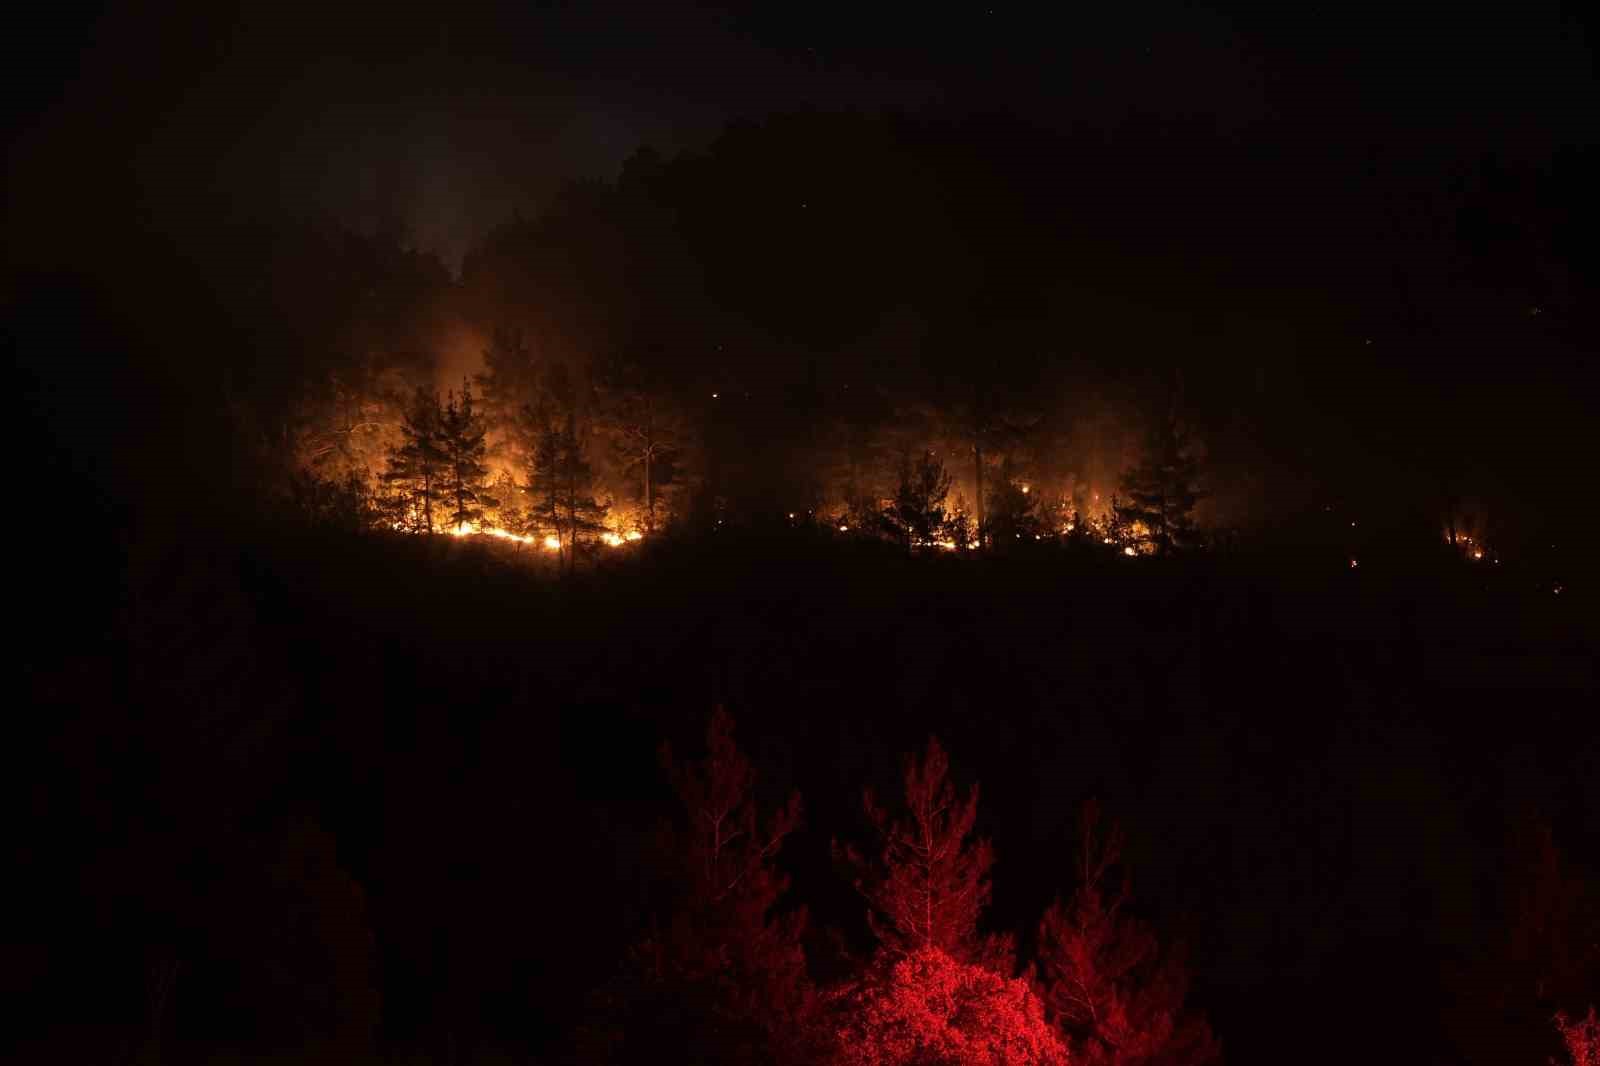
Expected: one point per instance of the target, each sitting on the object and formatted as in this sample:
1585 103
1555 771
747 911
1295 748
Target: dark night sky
447 118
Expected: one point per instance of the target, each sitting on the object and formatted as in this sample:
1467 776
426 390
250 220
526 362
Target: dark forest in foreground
403 791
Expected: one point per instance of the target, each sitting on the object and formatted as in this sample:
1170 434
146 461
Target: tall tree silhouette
1160 492
562 487
416 466
1013 512
1116 994
917 516
649 432
990 427
928 883
461 443
509 379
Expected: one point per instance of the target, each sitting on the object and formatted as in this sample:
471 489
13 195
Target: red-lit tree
728 925
1545 962
927 1009
928 883
1582 1038
722 975
1115 994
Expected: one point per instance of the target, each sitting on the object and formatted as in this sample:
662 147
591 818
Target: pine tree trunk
649 498
977 464
572 529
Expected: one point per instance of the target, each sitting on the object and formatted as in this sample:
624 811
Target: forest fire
549 543
1101 384
521 453
1470 547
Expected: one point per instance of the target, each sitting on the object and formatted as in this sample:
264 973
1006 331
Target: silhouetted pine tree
649 432
416 466
1160 492
504 506
508 383
1012 509
917 516
461 443
561 487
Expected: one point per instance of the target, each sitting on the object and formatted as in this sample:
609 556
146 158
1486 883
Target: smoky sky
442 120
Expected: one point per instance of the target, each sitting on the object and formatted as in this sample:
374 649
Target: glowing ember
1108 540
634 534
553 543
1354 563
1477 554
612 539
1129 550
844 529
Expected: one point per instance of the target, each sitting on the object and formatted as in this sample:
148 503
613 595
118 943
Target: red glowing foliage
1116 995
1555 920
928 1009
1582 1038
929 884
1545 961
724 929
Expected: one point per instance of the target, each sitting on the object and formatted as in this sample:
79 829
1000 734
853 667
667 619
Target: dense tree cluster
435 478
746 332
729 948
623 316
929 1008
